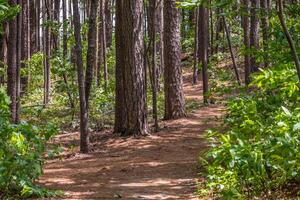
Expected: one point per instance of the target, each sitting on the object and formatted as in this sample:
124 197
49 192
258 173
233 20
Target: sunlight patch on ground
158 182
57 180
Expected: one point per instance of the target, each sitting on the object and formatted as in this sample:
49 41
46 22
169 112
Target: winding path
158 167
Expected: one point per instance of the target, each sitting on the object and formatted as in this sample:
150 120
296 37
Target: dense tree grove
120 66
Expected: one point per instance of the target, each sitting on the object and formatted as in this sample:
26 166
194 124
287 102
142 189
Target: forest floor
158 167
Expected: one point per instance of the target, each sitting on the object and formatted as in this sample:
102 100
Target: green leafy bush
21 154
259 151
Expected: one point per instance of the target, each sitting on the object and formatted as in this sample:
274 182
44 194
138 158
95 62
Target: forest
150 99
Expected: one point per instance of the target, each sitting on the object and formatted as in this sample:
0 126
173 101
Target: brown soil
158 167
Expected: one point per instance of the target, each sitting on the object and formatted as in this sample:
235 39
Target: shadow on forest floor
161 166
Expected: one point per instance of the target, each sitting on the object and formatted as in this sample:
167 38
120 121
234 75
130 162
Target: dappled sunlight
160 166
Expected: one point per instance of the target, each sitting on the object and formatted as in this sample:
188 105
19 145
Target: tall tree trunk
38 14
152 10
99 45
174 97
196 57
254 33
203 48
288 36
161 41
56 18
211 35
105 70
84 133
246 25
33 30
91 53
132 69
12 65
24 42
46 40
120 114
20 43
108 22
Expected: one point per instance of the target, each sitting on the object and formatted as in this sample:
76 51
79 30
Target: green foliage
21 154
7 12
259 150
34 70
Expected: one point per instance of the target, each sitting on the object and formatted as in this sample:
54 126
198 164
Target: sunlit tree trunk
174 97
130 49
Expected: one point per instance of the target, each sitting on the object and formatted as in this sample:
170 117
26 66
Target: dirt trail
158 167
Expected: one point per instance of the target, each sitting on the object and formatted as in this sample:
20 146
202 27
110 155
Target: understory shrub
259 150
22 147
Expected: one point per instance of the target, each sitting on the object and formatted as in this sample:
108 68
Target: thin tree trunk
38 36
46 36
196 57
108 22
254 33
228 36
246 23
56 18
12 64
84 133
19 58
153 8
203 51
91 52
24 42
105 70
161 41
99 45
288 37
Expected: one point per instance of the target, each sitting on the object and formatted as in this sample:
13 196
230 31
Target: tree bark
153 9
91 52
174 97
12 65
108 22
246 23
84 133
99 45
24 42
203 48
46 40
104 42
196 57
132 69
120 114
